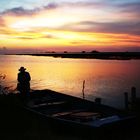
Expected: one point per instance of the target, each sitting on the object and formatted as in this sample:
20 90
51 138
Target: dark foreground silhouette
16 122
23 85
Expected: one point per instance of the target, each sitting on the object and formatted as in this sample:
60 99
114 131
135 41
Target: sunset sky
59 25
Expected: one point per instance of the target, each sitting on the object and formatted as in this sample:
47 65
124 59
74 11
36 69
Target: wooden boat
71 112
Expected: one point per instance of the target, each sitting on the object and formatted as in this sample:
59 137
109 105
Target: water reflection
107 79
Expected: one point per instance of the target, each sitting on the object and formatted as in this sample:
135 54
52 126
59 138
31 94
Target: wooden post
133 97
126 100
133 94
83 90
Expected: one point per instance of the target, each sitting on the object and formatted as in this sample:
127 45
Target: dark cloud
130 6
19 11
44 36
132 41
51 6
108 27
85 4
131 9
75 42
49 36
120 27
26 38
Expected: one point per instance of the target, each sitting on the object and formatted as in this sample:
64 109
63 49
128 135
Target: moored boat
73 112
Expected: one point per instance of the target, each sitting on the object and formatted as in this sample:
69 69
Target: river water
107 79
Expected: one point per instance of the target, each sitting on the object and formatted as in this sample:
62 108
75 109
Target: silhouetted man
23 82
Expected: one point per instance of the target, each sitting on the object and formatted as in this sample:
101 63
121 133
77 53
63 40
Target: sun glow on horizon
70 24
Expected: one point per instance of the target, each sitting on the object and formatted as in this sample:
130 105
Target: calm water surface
107 79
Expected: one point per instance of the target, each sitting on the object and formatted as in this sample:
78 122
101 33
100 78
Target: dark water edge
92 55
19 123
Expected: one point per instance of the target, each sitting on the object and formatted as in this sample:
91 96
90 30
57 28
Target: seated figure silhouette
23 85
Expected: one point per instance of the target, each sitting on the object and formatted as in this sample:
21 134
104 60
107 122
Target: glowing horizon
82 24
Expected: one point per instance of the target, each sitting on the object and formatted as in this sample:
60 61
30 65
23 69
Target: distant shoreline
92 55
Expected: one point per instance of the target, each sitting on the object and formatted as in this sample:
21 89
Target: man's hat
22 69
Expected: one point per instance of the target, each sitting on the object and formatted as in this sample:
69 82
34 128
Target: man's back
23 81
23 77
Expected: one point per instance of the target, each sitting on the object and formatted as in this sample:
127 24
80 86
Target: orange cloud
70 25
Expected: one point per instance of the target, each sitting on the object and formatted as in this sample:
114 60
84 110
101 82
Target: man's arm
29 77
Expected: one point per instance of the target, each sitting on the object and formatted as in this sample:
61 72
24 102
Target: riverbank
91 55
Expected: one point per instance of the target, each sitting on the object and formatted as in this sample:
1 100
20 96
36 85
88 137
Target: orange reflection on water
104 78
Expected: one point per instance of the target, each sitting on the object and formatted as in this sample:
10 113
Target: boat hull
73 113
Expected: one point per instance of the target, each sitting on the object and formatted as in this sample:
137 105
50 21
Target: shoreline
90 55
